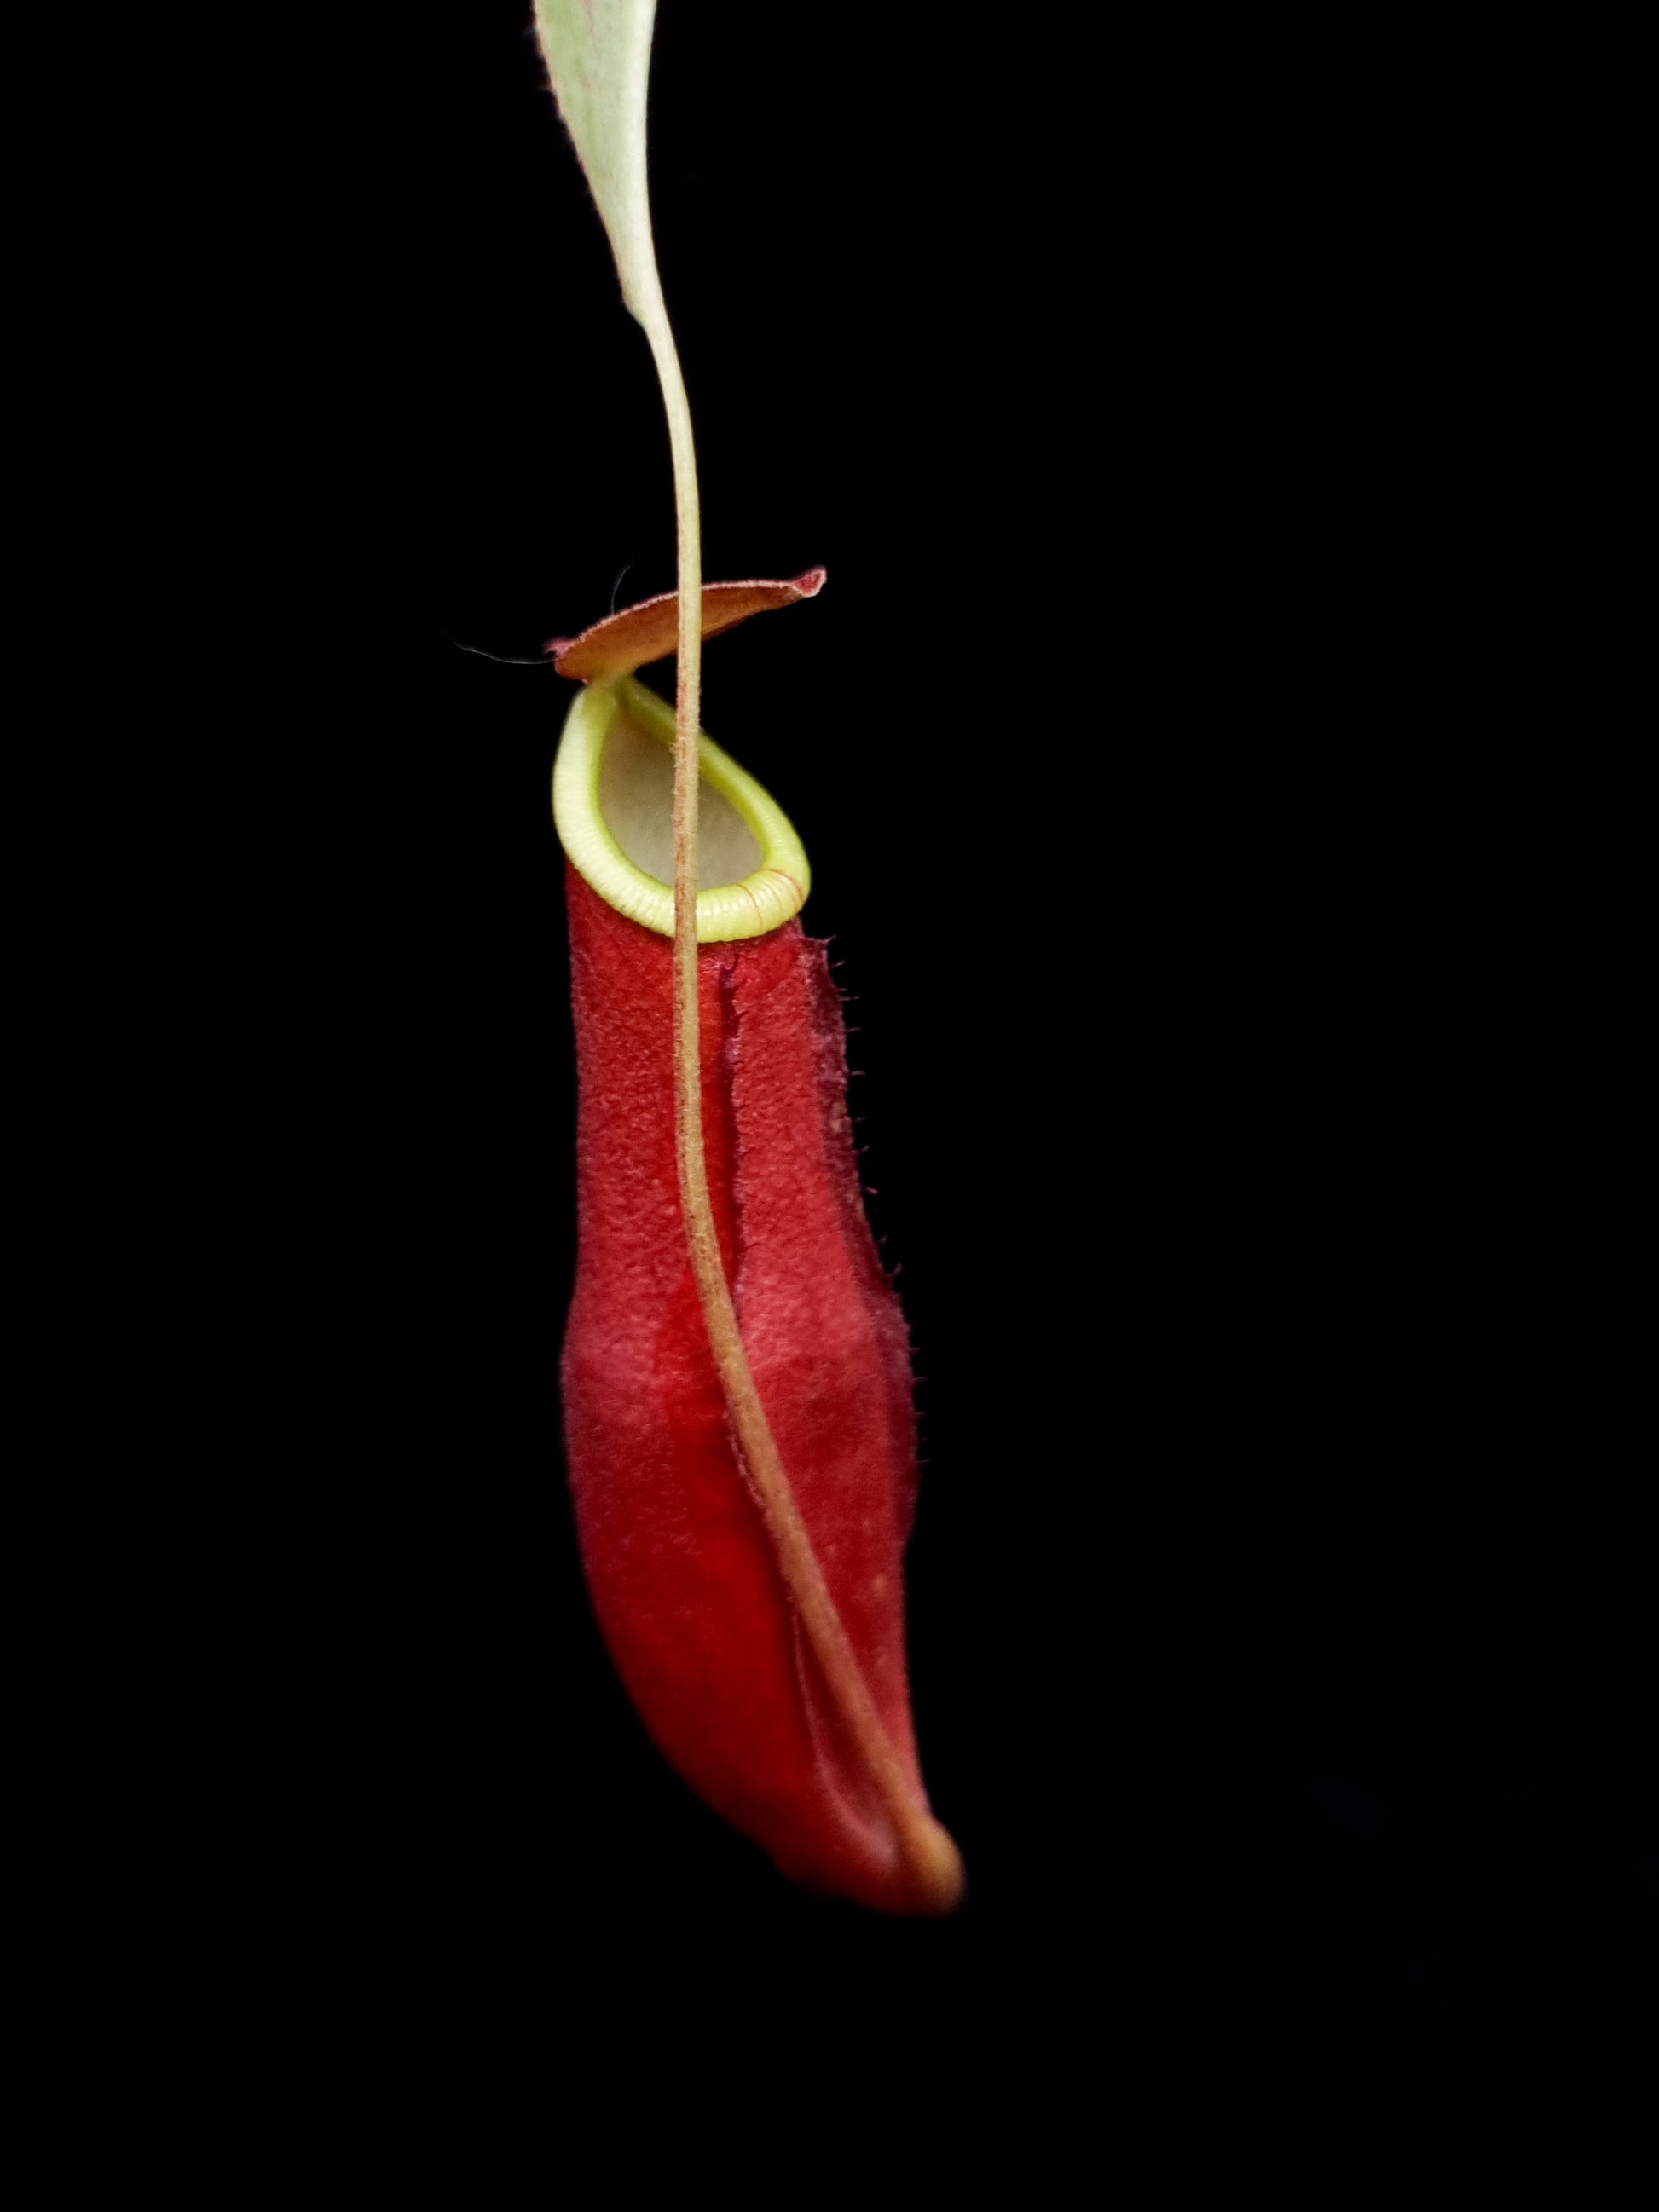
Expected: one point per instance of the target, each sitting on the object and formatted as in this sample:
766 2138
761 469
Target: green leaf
598 57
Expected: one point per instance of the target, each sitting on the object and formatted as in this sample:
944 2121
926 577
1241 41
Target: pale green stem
933 1860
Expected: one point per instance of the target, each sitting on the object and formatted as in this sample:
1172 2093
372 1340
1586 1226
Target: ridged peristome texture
679 1560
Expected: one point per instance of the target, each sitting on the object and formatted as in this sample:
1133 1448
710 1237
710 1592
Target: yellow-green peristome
613 806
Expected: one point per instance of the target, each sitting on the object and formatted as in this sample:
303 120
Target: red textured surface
678 1558
625 641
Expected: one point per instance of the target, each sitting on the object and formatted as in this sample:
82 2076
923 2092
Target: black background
1169 746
